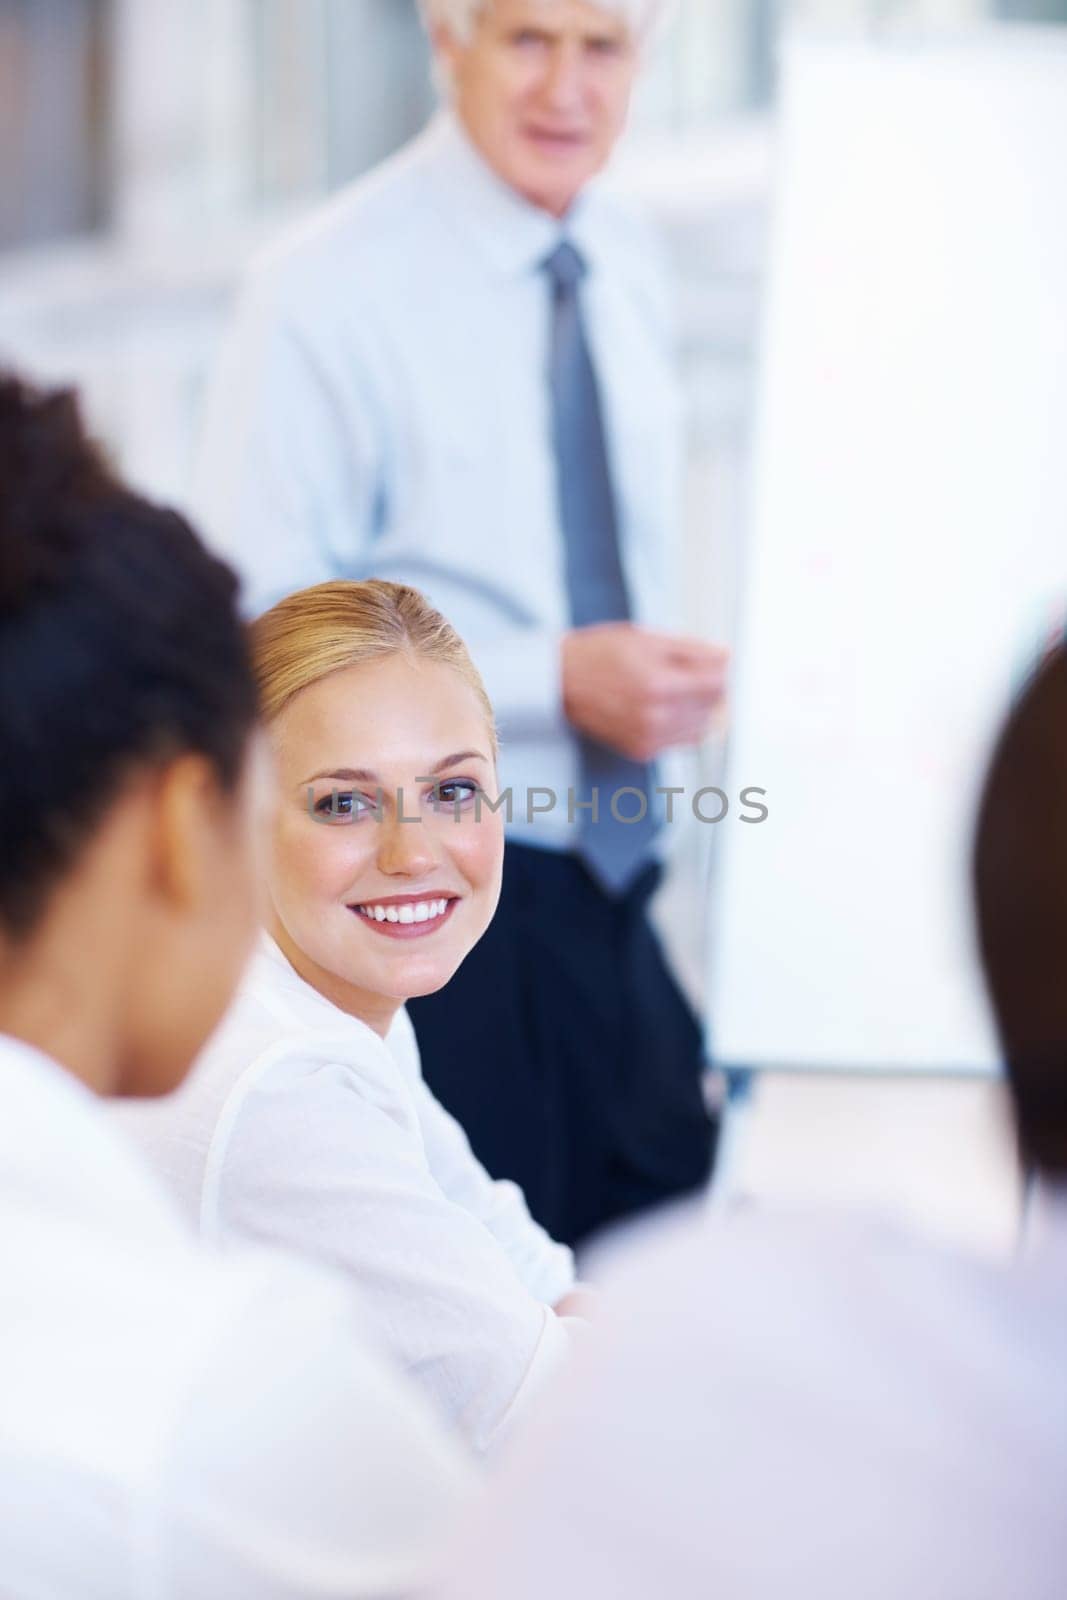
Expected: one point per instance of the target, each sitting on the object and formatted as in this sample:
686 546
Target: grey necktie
615 850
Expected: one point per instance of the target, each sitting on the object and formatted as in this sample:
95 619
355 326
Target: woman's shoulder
304 1090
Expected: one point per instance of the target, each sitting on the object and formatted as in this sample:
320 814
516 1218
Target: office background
148 147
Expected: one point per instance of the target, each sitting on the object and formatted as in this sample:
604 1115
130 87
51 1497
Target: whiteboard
908 547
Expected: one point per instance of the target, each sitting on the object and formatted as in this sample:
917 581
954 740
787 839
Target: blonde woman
307 1122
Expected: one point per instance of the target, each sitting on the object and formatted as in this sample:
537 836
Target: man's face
543 88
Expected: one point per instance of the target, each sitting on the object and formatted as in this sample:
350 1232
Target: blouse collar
294 1001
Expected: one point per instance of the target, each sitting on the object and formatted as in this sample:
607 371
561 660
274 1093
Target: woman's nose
406 847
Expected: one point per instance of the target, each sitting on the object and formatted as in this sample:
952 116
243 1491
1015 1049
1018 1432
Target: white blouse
176 1424
300 1126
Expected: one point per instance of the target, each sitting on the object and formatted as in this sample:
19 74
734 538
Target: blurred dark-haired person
833 1414
172 1423
461 376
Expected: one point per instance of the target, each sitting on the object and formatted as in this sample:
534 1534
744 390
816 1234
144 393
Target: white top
825 1415
382 410
176 1426
300 1126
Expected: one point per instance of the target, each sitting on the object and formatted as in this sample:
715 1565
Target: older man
460 376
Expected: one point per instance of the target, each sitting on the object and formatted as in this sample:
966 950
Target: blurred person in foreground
460 376
833 1413
172 1423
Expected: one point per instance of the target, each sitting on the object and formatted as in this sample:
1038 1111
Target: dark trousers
566 1050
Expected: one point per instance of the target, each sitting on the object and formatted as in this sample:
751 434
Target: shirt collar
514 236
293 1000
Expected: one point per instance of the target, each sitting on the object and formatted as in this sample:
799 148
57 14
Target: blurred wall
149 146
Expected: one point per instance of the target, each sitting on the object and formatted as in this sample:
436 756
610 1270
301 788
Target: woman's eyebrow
454 760
364 775
348 774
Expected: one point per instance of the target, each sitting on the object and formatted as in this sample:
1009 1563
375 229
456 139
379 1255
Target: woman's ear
187 814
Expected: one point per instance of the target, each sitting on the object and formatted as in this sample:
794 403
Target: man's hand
641 692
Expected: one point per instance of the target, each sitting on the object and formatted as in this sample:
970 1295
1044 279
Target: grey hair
459 16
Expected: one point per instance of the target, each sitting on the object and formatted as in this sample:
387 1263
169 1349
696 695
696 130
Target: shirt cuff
554 1276
559 1336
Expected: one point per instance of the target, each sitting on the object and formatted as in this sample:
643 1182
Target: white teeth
420 911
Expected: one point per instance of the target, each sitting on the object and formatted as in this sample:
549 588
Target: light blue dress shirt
382 410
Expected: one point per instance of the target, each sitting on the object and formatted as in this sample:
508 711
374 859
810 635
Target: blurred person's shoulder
165 1389
805 1361
350 246
823 1290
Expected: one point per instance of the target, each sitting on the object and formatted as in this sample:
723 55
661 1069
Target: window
53 122
339 85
